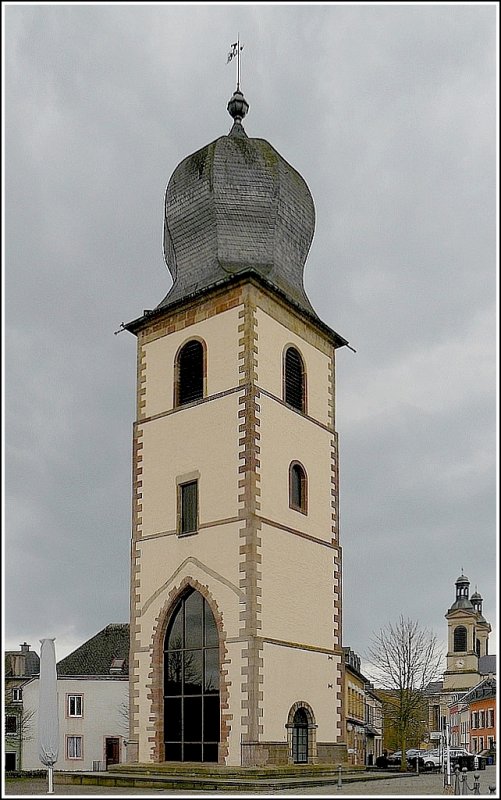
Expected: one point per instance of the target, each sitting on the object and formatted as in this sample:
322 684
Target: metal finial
236 47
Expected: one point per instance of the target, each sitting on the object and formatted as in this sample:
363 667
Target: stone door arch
301 734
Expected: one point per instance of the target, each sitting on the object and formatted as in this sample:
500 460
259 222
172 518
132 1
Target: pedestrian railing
461 785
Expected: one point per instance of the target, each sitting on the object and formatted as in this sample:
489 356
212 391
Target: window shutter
294 379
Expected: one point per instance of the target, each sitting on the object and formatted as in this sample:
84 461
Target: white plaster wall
210 557
272 339
103 702
286 437
292 675
297 589
221 337
201 438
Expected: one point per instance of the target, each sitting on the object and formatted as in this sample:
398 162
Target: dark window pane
460 639
10 724
210 752
193 615
191 709
175 631
300 717
192 719
189 507
172 719
296 486
191 372
173 673
294 379
192 752
211 719
193 664
211 681
172 751
211 634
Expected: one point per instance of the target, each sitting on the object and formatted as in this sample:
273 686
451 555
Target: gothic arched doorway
191 682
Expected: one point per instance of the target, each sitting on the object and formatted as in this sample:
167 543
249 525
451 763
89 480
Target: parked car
431 759
412 752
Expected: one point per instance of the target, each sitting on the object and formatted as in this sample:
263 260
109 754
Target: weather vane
236 47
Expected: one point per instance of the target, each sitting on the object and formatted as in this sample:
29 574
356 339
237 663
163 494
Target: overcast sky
389 113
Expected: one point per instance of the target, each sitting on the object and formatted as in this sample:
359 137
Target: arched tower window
191 682
189 373
477 647
298 487
294 379
460 639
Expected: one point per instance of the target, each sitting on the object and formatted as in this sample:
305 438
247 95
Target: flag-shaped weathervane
236 47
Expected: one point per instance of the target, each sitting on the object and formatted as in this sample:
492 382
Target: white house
93 688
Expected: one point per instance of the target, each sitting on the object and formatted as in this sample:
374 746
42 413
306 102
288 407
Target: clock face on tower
459 663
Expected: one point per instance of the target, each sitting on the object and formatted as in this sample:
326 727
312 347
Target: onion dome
234 207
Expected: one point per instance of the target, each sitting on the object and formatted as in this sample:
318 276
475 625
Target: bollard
339 779
476 783
464 779
457 788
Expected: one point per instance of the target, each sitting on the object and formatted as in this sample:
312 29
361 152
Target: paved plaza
411 786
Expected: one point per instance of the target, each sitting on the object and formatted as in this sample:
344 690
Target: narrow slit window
297 488
188 507
294 379
190 373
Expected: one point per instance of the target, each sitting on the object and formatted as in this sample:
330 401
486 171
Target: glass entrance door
300 737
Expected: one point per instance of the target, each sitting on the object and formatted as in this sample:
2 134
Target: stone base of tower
267 754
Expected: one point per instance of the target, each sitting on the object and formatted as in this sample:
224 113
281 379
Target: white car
431 759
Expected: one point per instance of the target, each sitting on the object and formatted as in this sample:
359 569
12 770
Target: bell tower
468 634
236 603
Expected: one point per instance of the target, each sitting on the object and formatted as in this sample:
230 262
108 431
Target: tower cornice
249 276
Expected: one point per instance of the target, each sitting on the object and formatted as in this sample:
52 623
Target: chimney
24 647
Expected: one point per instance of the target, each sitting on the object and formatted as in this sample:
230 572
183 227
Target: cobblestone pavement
412 786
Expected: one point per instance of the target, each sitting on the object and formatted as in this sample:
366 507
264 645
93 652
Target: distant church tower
468 637
236 651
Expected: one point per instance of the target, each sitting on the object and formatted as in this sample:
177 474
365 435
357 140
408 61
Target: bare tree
404 658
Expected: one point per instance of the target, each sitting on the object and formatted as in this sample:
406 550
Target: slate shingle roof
487 665
95 656
31 663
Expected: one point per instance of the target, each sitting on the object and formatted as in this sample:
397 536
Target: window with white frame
490 714
480 743
17 695
75 705
74 747
474 744
482 719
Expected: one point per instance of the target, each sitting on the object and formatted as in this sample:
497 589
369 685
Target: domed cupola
462 594
234 207
476 601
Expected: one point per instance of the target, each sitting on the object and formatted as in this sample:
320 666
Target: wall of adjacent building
105 712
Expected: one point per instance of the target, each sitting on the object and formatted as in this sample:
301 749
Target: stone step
218 782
